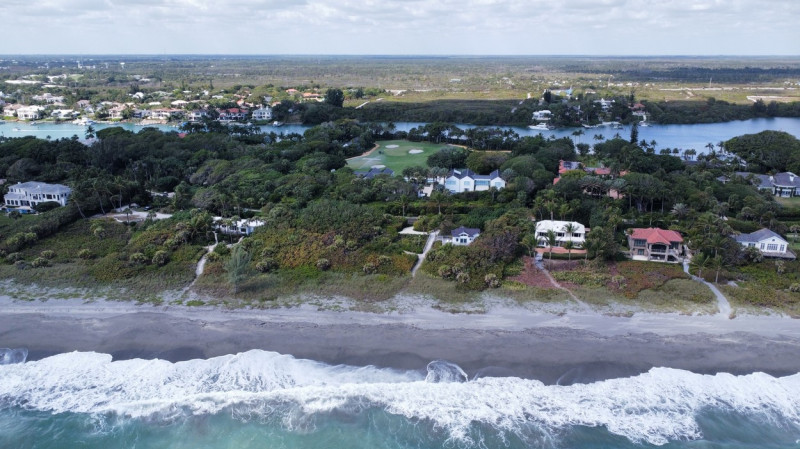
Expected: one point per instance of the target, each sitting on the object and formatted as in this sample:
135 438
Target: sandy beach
565 348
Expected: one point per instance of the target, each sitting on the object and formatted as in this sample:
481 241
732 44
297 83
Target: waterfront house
29 194
465 180
770 243
656 244
565 231
784 184
542 116
263 113
461 236
10 110
197 115
30 112
232 114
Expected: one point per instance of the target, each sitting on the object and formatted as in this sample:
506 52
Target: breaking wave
656 407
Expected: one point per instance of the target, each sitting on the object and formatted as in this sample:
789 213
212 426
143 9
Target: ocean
261 399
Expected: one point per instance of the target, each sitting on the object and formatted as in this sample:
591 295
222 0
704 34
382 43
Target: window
782 248
762 246
639 242
577 234
640 252
772 247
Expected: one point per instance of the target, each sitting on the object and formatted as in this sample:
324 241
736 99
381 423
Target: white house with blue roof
770 243
29 194
461 236
466 180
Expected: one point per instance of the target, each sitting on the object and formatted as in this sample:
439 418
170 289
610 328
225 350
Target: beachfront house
656 244
461 236
29 194
263 113
770 243
240 227
465 180
565 231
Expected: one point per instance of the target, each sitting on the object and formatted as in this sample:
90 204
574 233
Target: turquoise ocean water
260 399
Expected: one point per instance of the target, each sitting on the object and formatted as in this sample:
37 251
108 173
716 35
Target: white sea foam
654 407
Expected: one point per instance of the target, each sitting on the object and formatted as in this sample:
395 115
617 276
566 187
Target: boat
540 126
34 123
16 129
644 124
84 121
277 123
617 126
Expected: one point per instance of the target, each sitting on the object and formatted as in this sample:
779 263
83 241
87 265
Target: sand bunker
415 151
392 146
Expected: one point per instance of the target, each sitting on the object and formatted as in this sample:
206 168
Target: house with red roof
656 244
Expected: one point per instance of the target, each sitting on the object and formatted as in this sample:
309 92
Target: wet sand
564 349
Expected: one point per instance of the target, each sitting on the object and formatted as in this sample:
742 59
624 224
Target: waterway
666 136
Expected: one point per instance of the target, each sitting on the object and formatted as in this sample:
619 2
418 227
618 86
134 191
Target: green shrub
14 257
40 262
325 264
137 258
491 280
269 264
48 254
85 254
222 250
160 258
369 268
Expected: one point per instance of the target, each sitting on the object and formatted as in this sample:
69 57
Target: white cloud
403 26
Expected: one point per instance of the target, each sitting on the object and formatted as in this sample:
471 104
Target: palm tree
569 245
717 263
699 262
551 242
680 210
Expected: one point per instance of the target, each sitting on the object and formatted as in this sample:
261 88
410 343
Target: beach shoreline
504 341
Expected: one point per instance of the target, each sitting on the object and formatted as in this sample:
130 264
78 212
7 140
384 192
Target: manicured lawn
788 202
395 155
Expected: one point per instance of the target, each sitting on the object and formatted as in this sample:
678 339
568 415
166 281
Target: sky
402 27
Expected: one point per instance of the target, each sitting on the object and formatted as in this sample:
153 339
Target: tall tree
334 97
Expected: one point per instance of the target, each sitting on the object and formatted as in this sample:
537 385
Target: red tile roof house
655 244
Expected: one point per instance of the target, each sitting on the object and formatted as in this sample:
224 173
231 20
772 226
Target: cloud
404 26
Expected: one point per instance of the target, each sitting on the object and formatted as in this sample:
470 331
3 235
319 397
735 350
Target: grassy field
788 202
396 155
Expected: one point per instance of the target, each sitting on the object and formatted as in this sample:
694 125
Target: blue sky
496 27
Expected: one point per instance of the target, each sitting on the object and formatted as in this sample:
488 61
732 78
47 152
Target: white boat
540 126
277 123
16 129
644 124
83 121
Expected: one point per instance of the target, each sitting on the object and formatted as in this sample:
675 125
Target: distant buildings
29 194
656 244
784 184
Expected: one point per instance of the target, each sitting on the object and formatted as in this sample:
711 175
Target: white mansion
29 194
465 180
